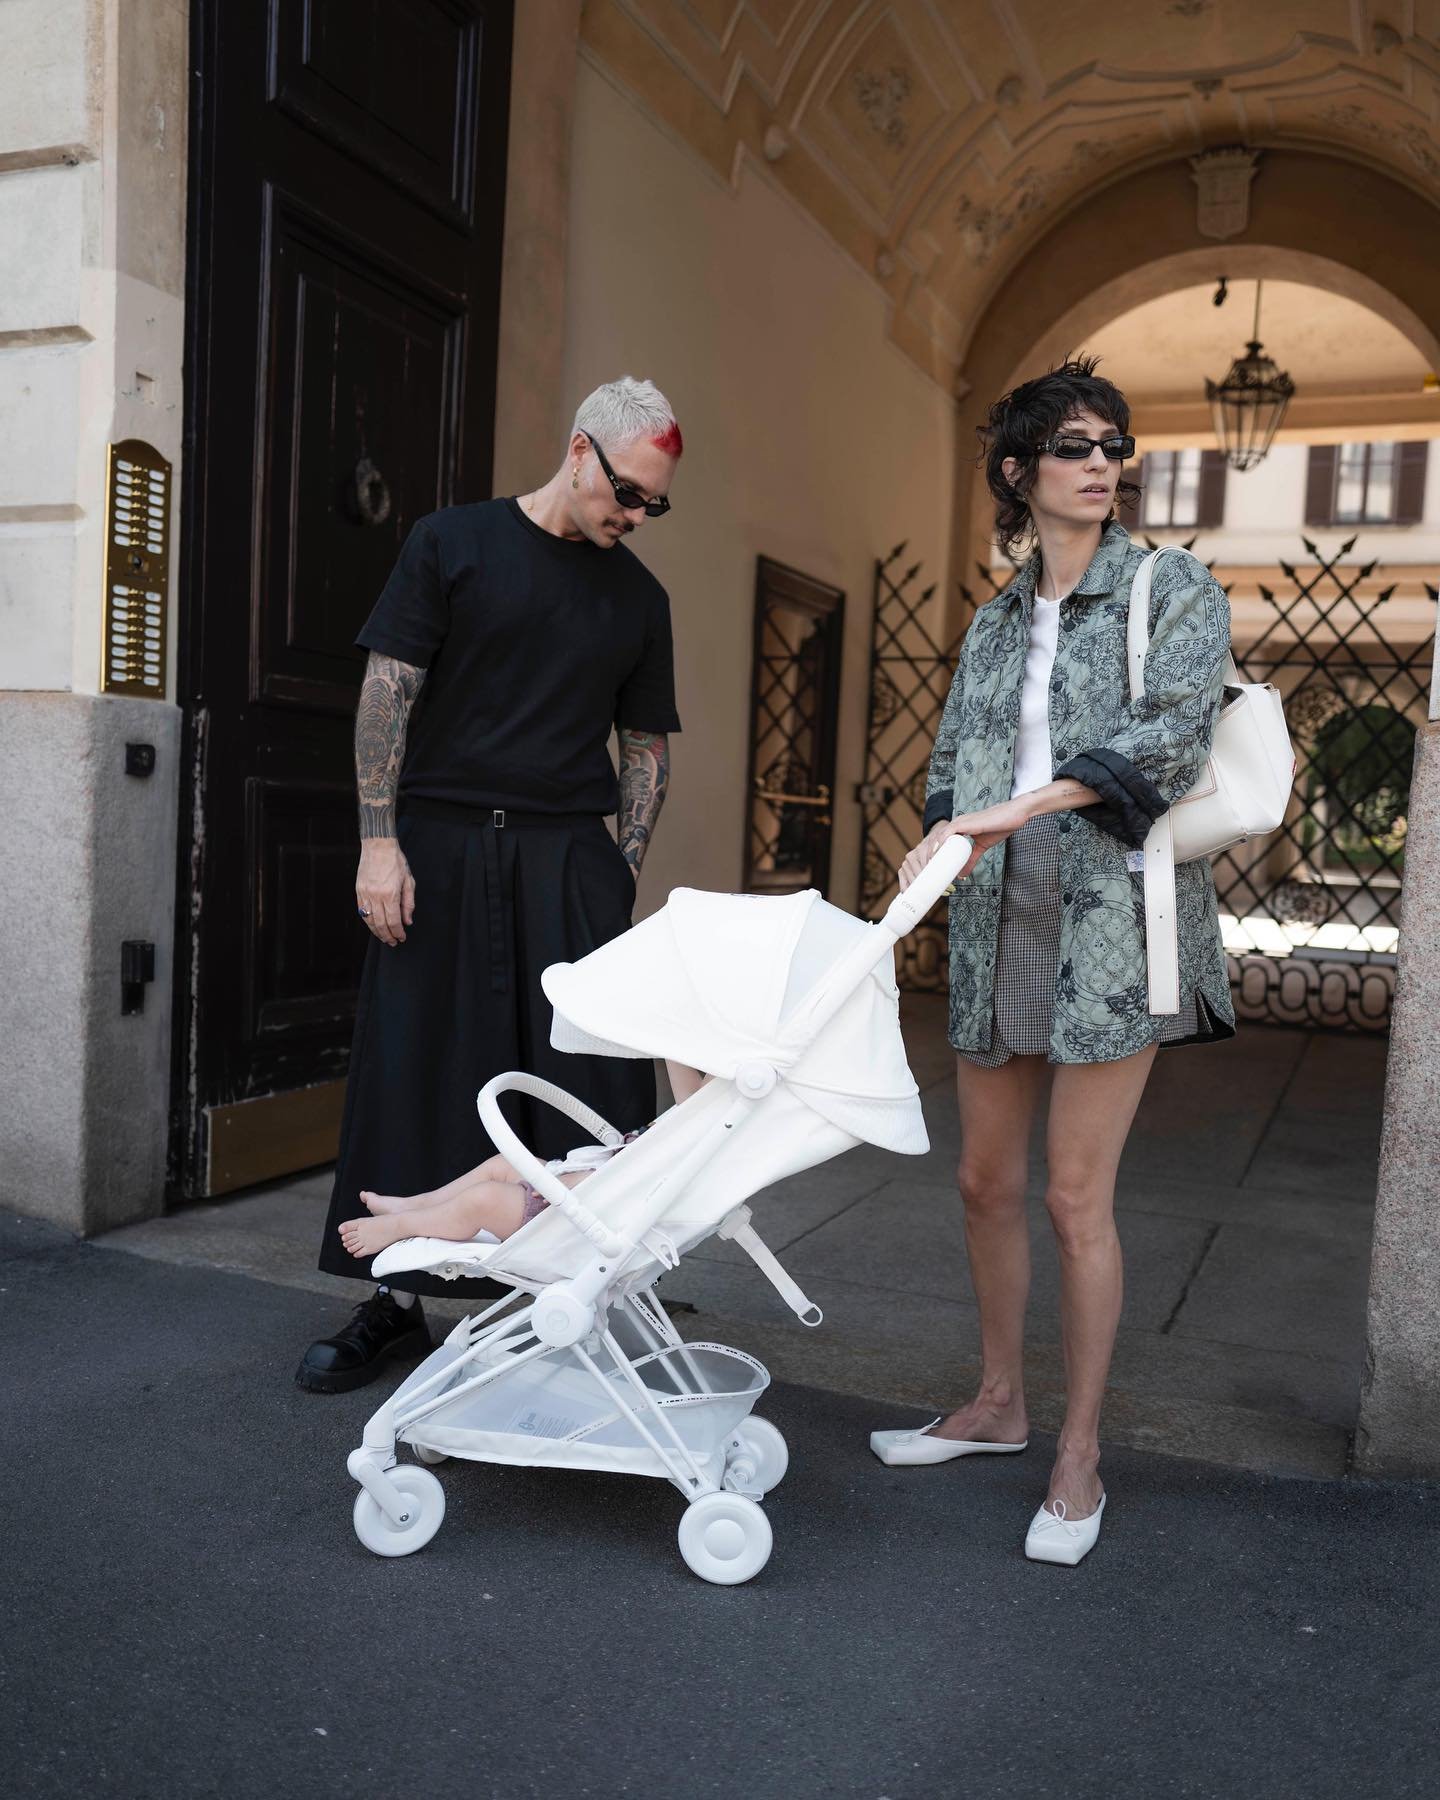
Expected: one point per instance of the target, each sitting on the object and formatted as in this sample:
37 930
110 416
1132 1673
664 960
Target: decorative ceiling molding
937 141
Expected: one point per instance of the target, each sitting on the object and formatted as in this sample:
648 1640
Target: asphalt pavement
190 1613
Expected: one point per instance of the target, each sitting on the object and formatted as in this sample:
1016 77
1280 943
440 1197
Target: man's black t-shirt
534 647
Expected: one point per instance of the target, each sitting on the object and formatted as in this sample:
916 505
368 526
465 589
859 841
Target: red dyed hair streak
670 441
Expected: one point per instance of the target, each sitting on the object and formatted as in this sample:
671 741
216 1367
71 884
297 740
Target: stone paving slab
1276 1290
1326 1137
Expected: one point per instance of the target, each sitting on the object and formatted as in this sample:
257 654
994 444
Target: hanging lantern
1250 402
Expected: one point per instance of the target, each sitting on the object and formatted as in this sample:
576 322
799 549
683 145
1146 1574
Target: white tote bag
1242 791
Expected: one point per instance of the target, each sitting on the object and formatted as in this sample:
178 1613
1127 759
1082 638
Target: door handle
820 798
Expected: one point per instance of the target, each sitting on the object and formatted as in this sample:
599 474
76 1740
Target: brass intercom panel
137 569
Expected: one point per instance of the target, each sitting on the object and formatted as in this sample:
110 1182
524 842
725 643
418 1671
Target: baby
490 1197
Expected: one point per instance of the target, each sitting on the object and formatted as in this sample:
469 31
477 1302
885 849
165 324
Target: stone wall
92 264
1399 1430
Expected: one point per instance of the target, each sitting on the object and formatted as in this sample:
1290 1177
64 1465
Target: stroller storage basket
553 1411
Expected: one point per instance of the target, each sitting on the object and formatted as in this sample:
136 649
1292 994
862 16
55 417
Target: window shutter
1320 485
1128 511
1410 483
1211 509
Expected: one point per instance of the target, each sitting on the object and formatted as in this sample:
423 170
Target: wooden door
347 198
794 710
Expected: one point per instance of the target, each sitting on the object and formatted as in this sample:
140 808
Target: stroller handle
907 910
530 1167
902 915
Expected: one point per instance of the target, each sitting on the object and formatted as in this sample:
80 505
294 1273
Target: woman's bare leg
1092 1107
494 1206
997 1107
494 1168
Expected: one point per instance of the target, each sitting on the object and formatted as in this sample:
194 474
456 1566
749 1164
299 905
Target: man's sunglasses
1071 448
627 497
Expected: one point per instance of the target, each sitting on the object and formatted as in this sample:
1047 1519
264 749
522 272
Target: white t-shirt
1034 764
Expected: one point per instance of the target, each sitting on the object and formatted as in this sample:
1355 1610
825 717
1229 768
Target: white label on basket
541 1425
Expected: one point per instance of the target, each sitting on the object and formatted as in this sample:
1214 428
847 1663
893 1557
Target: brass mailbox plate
137 570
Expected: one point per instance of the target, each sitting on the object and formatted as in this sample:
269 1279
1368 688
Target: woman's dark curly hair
1022 420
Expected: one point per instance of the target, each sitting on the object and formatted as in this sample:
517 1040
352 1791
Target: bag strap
1137 627
1162 938
1162 943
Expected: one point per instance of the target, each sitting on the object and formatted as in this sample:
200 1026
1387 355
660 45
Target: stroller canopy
711 979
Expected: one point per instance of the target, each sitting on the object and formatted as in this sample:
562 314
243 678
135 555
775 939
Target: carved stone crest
1223 178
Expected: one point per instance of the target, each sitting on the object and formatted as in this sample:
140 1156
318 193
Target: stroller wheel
755 1459
725 1538
426 1509
428 1456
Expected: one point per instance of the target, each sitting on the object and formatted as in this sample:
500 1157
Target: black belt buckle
497 818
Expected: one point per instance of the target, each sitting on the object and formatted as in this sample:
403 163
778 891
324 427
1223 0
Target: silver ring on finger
364 911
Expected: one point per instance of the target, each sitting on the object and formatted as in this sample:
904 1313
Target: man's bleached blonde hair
626 411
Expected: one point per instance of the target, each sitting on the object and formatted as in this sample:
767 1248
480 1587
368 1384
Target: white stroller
791 1005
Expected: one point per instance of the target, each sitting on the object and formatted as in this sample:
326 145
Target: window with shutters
1366 484
1182 488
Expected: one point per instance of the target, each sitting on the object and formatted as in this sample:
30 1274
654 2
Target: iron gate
1310 916
909 679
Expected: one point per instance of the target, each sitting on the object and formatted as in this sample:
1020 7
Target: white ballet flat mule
1054 1537
907 1449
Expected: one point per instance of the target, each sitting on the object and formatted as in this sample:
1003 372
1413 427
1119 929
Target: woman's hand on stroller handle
929 847
930 870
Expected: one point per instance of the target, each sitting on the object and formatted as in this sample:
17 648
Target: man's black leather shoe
379 1330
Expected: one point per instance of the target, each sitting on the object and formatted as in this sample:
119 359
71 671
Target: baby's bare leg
684 1081
494 1168
493 1206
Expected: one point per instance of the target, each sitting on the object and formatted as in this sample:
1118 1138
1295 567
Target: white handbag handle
1162 939
1137 627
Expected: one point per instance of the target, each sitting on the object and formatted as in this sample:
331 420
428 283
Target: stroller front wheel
725 1538
425 1510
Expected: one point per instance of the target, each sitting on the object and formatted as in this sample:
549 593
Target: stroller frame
723 1467
559 1338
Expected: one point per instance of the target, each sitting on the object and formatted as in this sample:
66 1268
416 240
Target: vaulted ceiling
937 141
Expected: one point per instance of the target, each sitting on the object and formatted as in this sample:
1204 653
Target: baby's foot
366 1237
386 1203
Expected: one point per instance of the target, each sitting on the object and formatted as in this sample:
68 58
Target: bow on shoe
909 1437
1051 1517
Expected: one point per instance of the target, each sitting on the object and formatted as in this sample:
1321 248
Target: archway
1322 220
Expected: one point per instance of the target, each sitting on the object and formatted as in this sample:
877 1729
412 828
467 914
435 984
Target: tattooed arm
644 777
384 886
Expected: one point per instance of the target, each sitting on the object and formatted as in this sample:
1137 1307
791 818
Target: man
509 640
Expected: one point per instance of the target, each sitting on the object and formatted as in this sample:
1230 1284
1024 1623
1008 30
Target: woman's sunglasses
627 497
1071 448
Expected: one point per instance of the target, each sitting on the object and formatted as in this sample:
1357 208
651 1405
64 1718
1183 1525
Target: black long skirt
459 1001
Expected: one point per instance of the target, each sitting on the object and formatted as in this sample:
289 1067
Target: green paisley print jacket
1140 759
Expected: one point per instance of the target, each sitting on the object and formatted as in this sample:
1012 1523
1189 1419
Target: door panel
361 368
394 84
347 199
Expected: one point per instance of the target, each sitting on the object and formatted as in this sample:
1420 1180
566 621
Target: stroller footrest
738 1229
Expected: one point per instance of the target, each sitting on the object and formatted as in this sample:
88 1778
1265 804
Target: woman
1045 763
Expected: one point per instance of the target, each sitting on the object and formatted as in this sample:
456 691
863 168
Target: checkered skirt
1027 959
